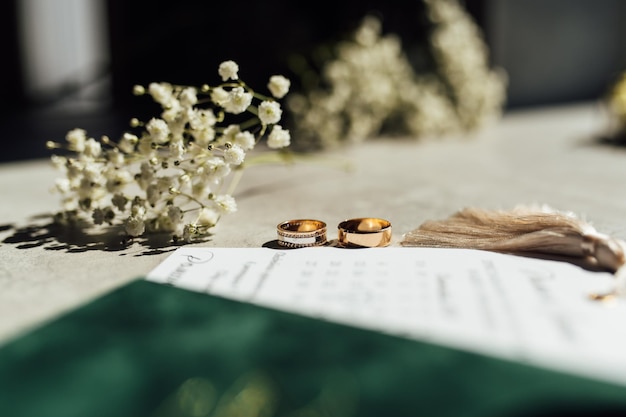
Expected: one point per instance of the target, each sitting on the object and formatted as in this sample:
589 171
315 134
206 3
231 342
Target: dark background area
185 43
554 51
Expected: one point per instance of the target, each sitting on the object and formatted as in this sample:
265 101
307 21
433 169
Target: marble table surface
551 155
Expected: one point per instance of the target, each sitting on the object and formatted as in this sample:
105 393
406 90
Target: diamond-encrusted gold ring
301 233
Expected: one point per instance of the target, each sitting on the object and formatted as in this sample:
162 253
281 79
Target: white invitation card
535 311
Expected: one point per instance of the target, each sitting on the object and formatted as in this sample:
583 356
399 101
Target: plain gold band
301 233
366 232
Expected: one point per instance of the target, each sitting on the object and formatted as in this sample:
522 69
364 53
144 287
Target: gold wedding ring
365 232
301 233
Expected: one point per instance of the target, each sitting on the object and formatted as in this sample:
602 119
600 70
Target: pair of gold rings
364 232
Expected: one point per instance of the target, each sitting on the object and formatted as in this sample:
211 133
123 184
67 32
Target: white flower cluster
371 88
169 177
477 92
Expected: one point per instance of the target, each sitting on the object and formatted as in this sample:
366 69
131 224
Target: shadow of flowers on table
44 232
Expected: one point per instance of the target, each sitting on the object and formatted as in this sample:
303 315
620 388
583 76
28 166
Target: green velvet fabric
151 350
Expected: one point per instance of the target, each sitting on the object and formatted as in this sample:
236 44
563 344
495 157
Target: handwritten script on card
530 310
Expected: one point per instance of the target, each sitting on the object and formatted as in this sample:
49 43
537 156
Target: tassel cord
526 231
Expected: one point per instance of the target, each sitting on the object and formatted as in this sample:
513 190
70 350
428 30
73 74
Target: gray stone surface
548 156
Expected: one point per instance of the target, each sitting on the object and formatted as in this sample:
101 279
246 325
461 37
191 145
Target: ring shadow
274 244
334 243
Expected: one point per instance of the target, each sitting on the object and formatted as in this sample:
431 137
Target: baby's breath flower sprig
167 174
367 86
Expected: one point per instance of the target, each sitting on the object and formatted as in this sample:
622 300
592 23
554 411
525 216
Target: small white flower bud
234 155
228 70
269 112
279 86
278 138
134 226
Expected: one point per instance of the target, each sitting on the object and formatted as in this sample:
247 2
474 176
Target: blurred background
72 63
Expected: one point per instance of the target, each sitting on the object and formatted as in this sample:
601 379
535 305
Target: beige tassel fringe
529 231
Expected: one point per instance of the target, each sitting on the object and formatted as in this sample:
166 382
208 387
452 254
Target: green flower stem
234 182
283 157
190 197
